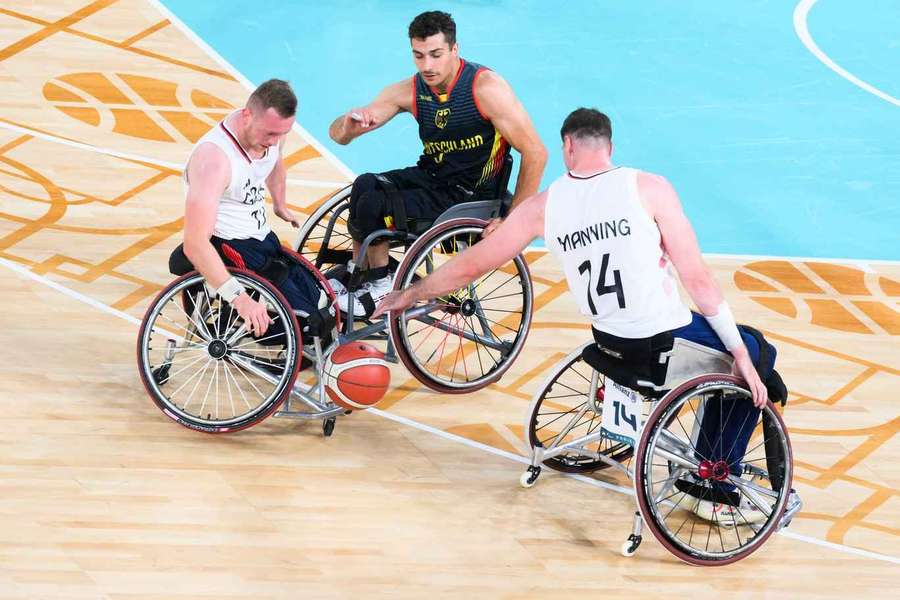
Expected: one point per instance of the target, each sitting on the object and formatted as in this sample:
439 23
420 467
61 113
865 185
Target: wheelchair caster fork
161 373
529 477
630 546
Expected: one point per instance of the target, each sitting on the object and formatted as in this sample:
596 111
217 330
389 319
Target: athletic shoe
367 297
729 515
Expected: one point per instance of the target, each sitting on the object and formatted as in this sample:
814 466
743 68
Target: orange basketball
356 376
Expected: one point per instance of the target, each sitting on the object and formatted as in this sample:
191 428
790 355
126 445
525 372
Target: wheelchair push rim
742 510
200 366
468 339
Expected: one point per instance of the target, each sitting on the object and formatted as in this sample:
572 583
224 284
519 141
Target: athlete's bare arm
509 239
357 121
497 102
680 243
208 174
276 183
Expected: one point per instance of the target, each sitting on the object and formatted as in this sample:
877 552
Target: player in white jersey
227 176
616 232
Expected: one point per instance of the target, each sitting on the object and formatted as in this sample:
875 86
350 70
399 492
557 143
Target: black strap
367 303
393 201
361 276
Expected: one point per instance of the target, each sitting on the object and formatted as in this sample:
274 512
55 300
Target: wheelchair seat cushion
629 374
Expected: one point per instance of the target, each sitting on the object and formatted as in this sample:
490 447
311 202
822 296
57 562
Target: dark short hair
277 94
434 21
586 123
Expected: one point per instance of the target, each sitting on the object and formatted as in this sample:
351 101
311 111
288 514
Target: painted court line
346 171
331 185
433 430
801 27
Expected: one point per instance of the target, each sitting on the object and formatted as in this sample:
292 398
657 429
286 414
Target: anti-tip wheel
529 477
630 546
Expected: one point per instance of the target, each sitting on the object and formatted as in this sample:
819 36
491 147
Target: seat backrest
668 369
496 206
689 359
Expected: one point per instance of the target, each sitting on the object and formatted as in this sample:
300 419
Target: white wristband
725 327
230 290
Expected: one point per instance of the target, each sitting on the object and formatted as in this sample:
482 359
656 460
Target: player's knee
366 207
363 186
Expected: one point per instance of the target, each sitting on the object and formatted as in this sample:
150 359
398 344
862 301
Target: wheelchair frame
692 368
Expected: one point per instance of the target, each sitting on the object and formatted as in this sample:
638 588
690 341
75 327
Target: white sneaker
338 287
728 515
371 291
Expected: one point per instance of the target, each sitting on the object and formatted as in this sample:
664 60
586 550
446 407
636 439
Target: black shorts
424 197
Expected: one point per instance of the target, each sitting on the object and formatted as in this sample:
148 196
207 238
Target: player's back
611 253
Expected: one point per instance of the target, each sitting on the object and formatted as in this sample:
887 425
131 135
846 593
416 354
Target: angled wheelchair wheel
467 339
705 498
325 241
203 369
564 411
323 238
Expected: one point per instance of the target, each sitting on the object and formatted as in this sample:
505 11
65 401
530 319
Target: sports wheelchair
458 343
597 411
205 371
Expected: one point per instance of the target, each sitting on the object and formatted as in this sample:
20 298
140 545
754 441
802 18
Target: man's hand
394 302
285 213
743 367
256 318
492 226
358 120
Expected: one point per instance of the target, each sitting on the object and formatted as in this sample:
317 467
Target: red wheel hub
713 470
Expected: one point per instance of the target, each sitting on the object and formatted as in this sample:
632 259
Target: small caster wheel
630 546
161 374
328 426
529 477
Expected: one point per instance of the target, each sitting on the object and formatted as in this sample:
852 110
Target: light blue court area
772 151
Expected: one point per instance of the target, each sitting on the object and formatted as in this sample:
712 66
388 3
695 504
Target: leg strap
393 202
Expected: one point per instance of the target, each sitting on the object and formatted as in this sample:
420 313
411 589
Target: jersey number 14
602 288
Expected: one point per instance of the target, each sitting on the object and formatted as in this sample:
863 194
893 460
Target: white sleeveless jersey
610 251
242 207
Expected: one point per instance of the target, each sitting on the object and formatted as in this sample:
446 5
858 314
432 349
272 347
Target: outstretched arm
513 236
385 106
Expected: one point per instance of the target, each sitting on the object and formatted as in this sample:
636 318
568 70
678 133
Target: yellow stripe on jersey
492 165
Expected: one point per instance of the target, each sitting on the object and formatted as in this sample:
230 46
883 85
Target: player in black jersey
468 119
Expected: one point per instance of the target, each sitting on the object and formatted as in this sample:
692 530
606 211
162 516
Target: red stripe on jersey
237 144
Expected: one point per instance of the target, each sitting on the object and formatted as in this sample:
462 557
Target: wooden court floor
101 496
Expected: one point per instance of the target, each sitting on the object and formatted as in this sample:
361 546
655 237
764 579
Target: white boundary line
69 292
345 170
427 428
801 13
137 157
403 420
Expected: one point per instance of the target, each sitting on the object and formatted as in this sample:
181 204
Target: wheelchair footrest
709 493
